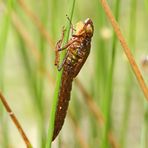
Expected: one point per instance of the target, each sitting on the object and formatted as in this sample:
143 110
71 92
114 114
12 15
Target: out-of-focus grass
110 79
129 79
4 31
103 75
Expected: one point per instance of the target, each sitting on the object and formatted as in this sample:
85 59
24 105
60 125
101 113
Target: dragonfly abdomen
63 101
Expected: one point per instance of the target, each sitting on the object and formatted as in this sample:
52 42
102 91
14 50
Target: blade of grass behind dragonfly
4 31
109 87
54 11
129 78
71 5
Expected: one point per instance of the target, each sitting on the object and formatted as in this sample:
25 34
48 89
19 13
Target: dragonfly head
85 28
89 28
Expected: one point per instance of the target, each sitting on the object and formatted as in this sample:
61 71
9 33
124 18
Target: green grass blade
129 78
109 87
58 82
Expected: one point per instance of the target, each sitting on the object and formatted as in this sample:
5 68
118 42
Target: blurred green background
107 107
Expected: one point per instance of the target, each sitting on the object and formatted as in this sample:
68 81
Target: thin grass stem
58 82
15 121
127 50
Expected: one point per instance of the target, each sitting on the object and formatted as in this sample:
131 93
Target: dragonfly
77 51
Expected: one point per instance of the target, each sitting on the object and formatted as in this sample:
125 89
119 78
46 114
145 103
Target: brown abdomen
63 100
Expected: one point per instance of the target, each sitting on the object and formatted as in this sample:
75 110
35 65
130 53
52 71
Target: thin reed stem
126 48
15 121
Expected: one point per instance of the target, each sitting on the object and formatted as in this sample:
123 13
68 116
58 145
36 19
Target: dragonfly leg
58 46
63 62
68 44
71 25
